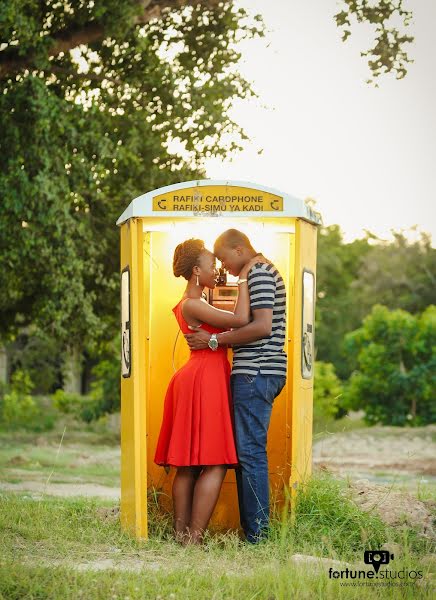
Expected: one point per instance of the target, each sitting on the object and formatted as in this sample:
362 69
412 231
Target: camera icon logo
377 558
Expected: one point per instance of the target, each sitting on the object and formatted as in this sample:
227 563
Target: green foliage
18 406
388 54
398 274
66 402
39 355
337 312
352 278
394 355
106 386
18 409
324 513
90 121
327 392
105 394
84 408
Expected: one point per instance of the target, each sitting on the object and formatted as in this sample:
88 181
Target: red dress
197 427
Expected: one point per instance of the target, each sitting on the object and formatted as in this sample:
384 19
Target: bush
18 409
85 408
39 355
106 388
104 397
395 378
327 392
105 394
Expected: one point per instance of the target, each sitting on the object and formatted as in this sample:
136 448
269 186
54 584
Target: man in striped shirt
258 374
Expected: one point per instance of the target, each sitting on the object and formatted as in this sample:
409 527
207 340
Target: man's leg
253 398
252 415
240 429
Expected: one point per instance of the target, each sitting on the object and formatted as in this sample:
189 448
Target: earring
197 280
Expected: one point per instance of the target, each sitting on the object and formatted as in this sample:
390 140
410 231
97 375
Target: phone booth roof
210 198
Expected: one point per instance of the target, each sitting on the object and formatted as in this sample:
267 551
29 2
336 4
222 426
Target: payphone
284 229
225 293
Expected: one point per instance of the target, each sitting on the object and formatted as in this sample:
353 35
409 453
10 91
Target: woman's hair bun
186 257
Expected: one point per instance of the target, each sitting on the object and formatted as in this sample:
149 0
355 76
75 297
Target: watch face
213 343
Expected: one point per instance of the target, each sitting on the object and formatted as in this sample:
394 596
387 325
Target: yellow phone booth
284 229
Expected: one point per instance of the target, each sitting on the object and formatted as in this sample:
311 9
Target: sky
366 155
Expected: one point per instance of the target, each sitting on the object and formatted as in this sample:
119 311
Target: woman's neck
193 291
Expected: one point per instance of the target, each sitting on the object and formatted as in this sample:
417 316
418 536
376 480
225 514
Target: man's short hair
232 238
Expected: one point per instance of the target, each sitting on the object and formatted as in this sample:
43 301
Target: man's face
231 259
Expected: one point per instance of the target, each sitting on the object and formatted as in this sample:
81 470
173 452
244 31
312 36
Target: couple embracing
216 418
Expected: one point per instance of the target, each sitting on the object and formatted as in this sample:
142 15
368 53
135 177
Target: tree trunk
413 407
3 364
72 371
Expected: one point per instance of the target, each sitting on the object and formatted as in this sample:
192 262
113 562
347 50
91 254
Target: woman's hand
259 258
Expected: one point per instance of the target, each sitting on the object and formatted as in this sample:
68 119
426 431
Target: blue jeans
253 398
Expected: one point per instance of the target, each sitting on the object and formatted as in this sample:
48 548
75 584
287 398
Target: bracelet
241 281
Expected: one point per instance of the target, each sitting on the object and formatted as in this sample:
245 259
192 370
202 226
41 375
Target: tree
398 274
388 55
336 311
395 365
92 96
352 278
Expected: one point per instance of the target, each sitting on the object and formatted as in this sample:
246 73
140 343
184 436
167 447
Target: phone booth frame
291 225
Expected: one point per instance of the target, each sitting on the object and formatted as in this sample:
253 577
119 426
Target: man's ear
239 250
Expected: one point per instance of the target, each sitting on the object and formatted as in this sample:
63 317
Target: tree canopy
394 379
94 98
390 21
353 277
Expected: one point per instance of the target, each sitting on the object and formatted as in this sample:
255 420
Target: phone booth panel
285 231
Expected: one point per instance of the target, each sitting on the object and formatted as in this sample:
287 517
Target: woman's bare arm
201 311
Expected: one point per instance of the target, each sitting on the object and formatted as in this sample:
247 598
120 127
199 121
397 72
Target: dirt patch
395 508
111 514
363 453
63 490
143 563
17 461
318 563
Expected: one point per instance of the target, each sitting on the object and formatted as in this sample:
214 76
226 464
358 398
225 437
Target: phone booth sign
284 229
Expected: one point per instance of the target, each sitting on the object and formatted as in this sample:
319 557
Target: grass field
72 547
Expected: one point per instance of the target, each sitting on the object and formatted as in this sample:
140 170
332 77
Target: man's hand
198 340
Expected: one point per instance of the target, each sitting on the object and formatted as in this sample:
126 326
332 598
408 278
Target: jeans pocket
248 378
274 385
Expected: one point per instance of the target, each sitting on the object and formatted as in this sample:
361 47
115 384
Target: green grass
75 433
188 583
322 427
51 548
81 457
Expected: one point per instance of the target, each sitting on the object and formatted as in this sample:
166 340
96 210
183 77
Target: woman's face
208 271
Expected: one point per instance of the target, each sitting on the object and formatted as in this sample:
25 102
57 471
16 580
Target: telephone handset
225 292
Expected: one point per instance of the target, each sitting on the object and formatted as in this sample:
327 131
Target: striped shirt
267 355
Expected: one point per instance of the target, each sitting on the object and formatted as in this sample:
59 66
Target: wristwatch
213 342
241 281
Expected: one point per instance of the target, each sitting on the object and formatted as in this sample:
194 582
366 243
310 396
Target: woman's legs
183 492
205 496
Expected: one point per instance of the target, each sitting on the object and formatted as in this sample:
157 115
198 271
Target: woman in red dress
196 435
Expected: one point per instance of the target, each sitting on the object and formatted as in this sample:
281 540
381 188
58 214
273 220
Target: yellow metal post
302 388
133 407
